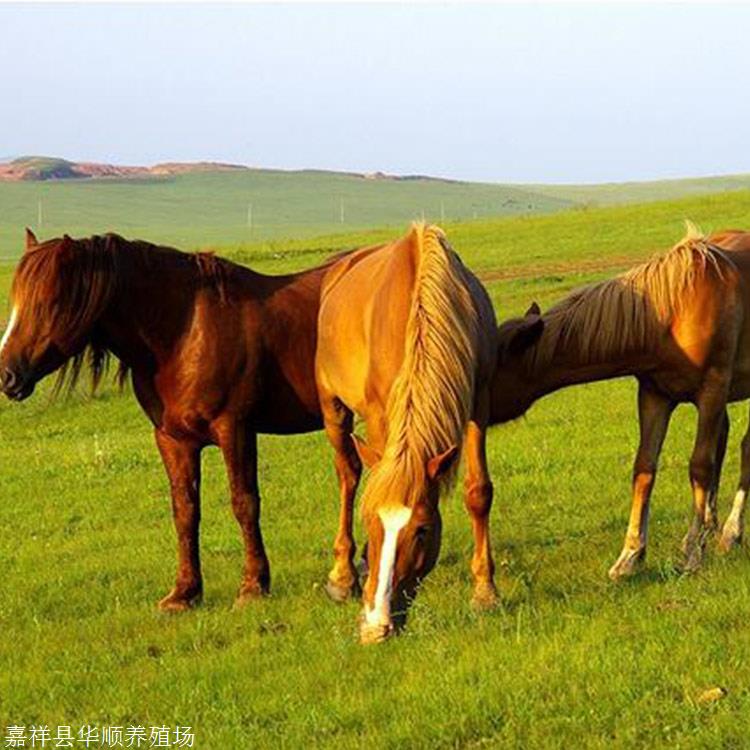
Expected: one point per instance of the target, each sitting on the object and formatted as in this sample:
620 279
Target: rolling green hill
245 206
640 192
198 209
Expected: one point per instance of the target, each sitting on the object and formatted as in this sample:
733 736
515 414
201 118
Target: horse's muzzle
15 385
371 634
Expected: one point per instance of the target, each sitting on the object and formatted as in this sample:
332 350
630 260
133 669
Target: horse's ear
31 241
516 336
534 310
440 464
367 454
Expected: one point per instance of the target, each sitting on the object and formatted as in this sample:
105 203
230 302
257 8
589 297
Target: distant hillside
521 197
204 204
40 168
613 193
199 208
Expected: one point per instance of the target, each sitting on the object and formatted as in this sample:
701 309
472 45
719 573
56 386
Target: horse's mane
75 280
630 312
430 400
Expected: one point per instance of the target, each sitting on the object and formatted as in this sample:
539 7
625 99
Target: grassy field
212 207
198 209
568 660
638 192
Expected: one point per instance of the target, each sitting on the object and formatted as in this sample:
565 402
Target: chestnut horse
217 354
406 341
681 325
737 244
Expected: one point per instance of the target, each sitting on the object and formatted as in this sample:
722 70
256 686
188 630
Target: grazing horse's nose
8 379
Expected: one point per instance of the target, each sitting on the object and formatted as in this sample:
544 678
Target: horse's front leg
654 411
343 580
240 450
182 461
478 500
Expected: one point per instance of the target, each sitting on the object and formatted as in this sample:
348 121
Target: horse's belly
286 411
296 424
740 386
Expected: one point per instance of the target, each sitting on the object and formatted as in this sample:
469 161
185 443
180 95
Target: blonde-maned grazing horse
406 341
680 324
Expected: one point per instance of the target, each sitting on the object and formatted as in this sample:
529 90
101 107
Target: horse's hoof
341 594
485 597
729 539
693 561
249 594
179 602
627 564
369 635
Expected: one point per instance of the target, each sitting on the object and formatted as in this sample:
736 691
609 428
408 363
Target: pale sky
506 93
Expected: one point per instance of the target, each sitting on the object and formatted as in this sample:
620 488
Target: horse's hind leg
239 447
654 411
478 500
343 581
734 526
711 511
182 461
712 422
712 508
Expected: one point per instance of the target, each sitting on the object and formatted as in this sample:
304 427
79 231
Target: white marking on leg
735 522
9 329
393 520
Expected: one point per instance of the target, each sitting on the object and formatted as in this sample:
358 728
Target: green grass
635 192
206 208
199 209
568 660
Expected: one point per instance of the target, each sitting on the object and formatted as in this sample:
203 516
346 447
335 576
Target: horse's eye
421 532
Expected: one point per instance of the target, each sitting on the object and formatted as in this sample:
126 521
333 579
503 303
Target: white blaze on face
9 329
393 520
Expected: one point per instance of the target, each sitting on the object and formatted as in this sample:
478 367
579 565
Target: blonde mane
431 399
630 312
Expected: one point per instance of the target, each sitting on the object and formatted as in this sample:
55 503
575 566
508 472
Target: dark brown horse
681 325
217 354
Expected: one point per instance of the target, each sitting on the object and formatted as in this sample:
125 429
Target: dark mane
75 280
214 271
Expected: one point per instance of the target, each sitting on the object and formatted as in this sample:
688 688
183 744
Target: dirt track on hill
558 267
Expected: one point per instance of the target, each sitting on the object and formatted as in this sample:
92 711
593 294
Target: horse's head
510 382
403 542
58 292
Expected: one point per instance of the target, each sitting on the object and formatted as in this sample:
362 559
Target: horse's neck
566 371
154 308
519 383
150 311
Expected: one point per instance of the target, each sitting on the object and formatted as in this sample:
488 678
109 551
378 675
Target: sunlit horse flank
217 354
680 325
406 342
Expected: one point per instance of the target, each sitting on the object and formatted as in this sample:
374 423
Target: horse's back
364 310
